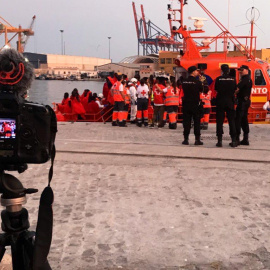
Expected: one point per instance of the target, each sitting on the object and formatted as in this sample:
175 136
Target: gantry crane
151 37
23 33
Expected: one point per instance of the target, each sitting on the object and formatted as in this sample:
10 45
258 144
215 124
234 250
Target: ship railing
256 115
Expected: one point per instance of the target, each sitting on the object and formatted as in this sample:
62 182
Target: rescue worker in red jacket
206 96
158 103
172 103
119 104
142 104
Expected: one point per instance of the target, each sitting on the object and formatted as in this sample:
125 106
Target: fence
256 115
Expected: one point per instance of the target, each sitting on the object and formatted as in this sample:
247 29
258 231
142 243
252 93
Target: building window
168 60
162 60
259 78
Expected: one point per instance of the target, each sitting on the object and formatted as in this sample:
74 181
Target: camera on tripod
27 135
27 130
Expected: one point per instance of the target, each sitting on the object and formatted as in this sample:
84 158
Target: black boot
172 126
185 141
219 143
114 124
233 143
238 140
245 140
198 140
205 127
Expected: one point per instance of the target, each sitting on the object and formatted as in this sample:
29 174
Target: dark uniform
225 86
243 104
192 88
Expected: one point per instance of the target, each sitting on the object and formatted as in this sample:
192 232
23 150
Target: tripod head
13 192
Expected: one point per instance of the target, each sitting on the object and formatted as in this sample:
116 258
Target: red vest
127 98
206 98
116 93
172 99
158 96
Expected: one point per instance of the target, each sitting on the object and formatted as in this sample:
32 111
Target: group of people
7 129
83 107
227 93
193 93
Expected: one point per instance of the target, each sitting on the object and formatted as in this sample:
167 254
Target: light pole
109 47
62 42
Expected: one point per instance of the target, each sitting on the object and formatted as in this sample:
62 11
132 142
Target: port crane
151 37
23 34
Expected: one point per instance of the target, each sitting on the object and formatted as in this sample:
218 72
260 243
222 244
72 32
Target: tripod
15 225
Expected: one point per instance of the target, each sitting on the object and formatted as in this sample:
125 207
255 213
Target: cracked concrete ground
137 199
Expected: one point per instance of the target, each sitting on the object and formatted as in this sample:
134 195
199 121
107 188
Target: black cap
192 69
243 67
225 68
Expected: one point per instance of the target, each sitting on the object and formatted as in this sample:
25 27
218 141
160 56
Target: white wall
80 62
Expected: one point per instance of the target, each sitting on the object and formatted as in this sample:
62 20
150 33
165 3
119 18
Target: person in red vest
142 104
119 104
158 103
206 96
77 108
7 130
172 103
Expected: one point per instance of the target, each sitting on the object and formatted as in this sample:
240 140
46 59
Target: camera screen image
7 128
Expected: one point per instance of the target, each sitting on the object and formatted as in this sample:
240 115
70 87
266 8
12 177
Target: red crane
151 37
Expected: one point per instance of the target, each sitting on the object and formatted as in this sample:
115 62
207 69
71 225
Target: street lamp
62 42
109 47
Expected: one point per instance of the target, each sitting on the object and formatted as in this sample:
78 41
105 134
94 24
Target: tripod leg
4 241
2 252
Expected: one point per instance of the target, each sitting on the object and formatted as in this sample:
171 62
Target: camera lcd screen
7 128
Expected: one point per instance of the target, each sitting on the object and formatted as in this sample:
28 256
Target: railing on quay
256 115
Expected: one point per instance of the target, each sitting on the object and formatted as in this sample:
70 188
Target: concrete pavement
135 198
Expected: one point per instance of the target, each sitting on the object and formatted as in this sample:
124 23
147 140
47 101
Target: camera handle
15 222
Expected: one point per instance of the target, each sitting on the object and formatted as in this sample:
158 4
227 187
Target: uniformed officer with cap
225 86
243 103
192 88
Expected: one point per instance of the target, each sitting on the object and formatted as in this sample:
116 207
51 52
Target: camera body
27 130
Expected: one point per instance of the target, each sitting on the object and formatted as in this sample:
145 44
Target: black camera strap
45 224
45 214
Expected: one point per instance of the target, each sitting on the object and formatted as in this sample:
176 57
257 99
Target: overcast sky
88 23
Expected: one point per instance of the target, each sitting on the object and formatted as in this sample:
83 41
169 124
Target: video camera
27 130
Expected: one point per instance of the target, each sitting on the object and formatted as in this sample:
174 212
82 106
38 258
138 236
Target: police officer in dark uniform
243 103
192 88
226 87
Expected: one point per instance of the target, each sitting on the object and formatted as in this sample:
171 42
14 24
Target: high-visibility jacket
206 98
171 98
116 93
127 97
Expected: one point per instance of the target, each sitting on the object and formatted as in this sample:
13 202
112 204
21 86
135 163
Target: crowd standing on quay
156 101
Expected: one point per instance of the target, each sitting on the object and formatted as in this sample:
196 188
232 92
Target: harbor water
49 91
